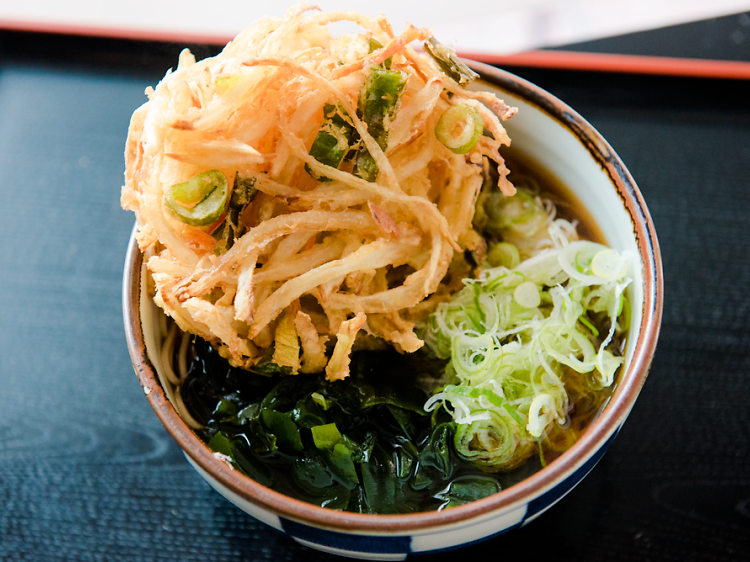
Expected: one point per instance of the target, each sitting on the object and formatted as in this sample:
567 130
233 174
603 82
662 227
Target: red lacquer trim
567 60
115 32
630 64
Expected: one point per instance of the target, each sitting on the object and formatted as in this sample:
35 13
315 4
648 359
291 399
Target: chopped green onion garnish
333 139
527 295
448 61
243 193
379 100
589 325
459 128
201 200
503 254
607 264
519 359
514 414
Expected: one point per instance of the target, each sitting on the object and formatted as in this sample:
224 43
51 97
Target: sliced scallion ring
527 295
201 200
503 254
459 128
607 264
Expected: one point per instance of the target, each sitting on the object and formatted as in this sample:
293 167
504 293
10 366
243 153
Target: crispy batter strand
338 367
314 357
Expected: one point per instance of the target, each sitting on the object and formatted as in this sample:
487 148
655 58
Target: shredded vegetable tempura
300 191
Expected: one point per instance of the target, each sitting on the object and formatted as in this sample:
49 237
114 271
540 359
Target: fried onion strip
338 367
257 238
374 255
314 357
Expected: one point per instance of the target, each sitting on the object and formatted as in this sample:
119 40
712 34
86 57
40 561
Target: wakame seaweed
356 445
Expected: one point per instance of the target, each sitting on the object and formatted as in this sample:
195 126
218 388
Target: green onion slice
449 63
379 101
459 128
607 264
503 254
332 141
201 200
527 295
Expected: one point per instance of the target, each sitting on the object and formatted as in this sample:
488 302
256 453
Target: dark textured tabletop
88 473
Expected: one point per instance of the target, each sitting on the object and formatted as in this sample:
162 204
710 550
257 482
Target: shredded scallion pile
514 335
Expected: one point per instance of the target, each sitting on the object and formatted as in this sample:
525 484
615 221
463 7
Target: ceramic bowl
551 133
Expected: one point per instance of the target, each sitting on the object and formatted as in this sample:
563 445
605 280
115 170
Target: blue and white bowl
546 131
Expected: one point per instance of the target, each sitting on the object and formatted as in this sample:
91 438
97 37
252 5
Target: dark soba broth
366 444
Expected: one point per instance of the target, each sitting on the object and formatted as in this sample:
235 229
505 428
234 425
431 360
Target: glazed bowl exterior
546 131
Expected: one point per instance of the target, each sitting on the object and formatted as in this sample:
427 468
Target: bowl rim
509 499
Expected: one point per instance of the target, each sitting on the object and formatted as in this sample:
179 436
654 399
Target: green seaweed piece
283 427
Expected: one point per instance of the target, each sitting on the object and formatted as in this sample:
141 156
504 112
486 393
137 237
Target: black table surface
88 473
